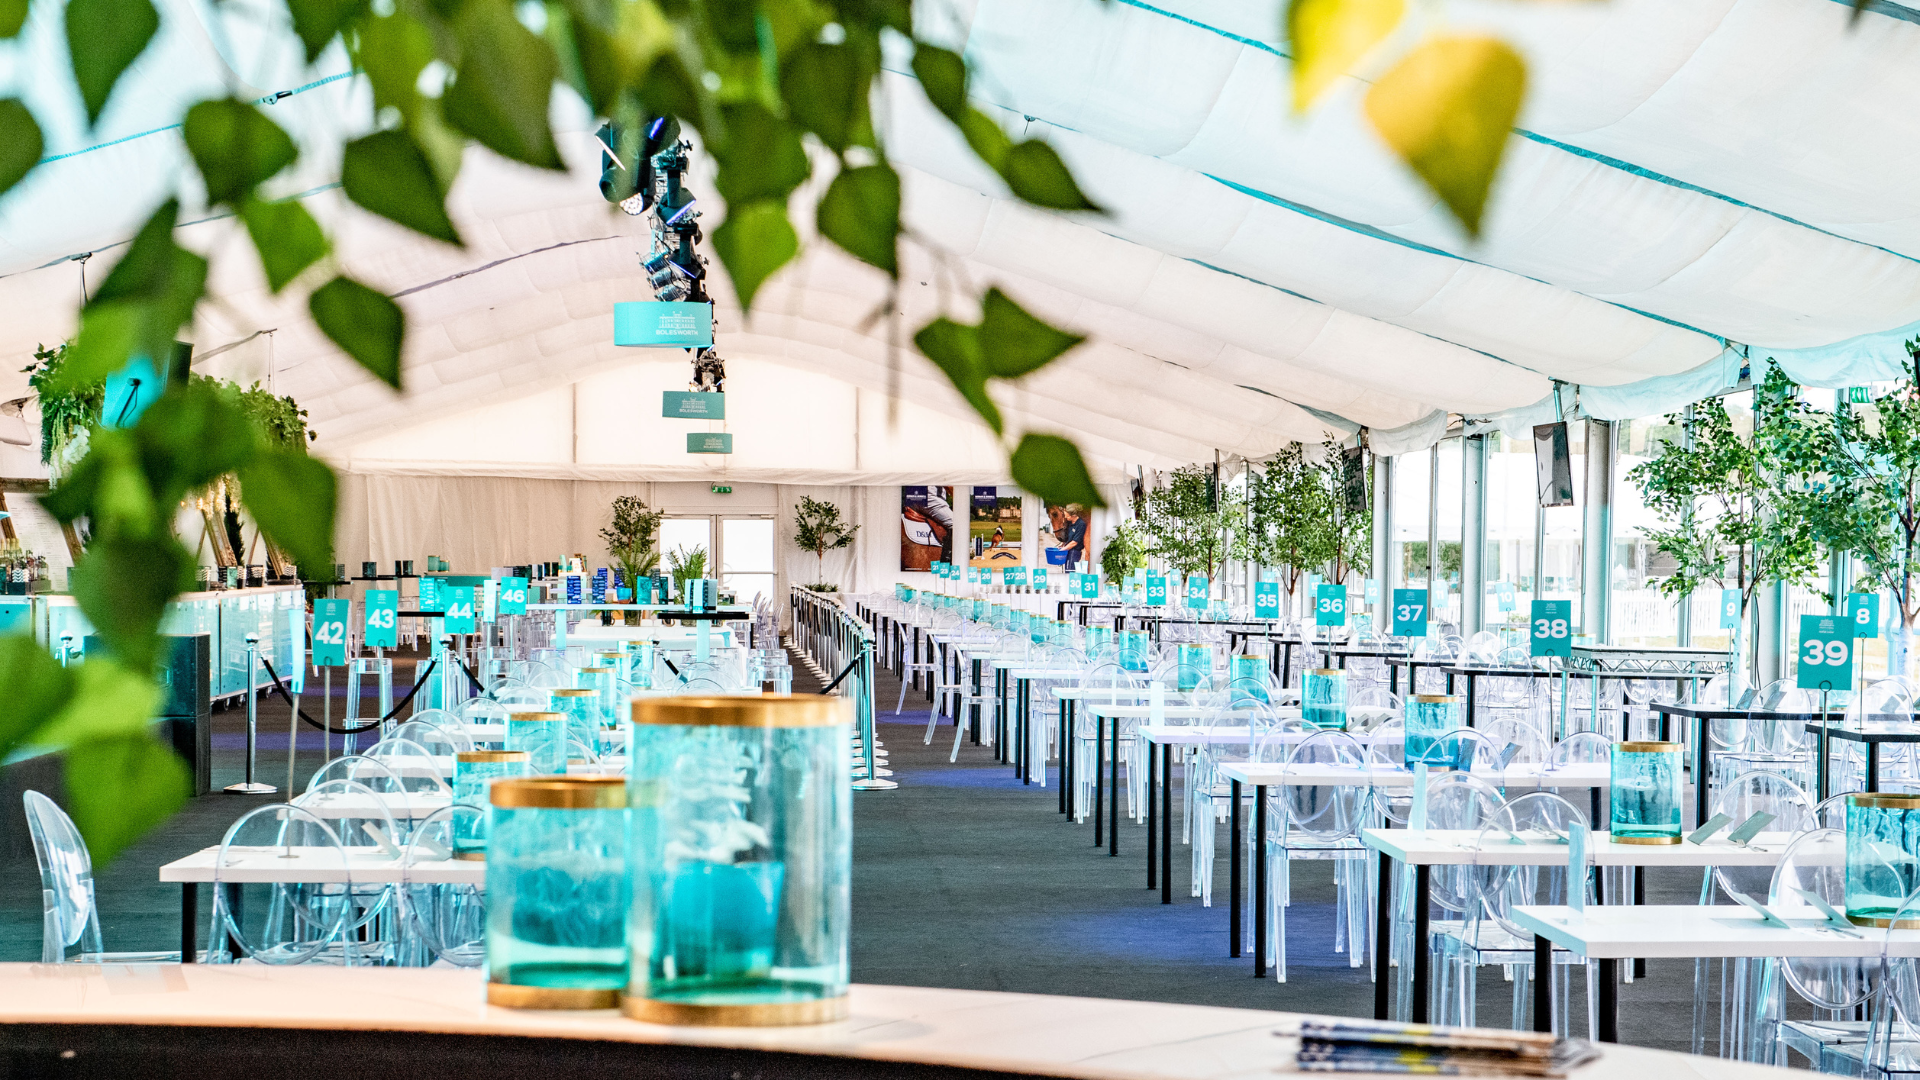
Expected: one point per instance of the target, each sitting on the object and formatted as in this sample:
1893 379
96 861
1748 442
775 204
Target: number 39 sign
1826 653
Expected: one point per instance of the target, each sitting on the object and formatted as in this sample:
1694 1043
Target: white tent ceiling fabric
1688 178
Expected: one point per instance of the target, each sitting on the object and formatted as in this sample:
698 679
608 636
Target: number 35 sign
1826 653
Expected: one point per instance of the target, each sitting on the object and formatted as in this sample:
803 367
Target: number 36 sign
1826 653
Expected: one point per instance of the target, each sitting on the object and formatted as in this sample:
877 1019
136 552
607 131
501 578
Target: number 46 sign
1826 653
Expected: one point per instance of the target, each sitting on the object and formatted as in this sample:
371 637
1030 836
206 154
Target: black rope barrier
420 680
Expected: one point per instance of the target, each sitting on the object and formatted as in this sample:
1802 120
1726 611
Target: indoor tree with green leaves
1726 506
1196 525
632 540
1289 514
1124 551
1349 513
818 528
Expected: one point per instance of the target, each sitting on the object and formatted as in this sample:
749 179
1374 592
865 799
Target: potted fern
819 528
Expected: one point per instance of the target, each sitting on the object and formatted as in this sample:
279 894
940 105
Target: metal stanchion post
863 702
253 717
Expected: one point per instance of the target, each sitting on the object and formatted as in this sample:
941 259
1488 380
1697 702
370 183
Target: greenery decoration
1288 512
1124 551
66 412
1350 528
686 564
817 527
1196 528
632 536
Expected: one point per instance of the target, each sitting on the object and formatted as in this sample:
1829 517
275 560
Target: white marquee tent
1692 183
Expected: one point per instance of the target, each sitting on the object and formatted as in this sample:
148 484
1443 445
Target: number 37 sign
1826 653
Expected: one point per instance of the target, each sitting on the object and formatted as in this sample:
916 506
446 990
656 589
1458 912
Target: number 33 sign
1826 653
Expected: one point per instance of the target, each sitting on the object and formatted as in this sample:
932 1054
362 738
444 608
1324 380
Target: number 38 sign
1826 653
1552 628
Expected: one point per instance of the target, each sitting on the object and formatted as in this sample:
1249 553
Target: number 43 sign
1826 653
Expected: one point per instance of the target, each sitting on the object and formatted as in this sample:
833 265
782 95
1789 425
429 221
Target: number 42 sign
1826 653
330 618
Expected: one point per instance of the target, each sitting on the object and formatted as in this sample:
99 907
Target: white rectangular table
1608 935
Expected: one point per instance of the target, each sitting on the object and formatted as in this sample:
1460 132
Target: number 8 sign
1826 653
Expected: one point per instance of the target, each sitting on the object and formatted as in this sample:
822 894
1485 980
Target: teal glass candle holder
581 707
1645 783
604 681
473 772
1430 719
543 735
1323 698
1248 681
743 858
1133 650
558 892
1883 857
1039 630
640 664
1098 638
1195 671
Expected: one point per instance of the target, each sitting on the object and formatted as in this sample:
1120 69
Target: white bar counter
1080 1038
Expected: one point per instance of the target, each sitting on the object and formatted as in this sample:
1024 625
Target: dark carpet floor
963 877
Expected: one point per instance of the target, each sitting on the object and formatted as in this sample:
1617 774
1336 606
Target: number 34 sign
1826 653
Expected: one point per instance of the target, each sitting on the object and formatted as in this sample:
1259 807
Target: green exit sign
723 489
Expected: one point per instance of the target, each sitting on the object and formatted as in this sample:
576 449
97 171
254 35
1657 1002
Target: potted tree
1195 527
1288 518
632 541
819 528
1124 552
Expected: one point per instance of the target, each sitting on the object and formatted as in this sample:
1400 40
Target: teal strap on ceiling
267 100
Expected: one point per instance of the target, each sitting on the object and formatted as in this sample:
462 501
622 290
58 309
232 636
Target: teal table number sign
513 596
459 618
430 599
1013 577
1409 613
383 619
1197 592
1089 586
1156 590
1039 577
1552 628
1863 611
1266 599
1370 588
1729 609
1504 590
1330 605
330 632
1826 653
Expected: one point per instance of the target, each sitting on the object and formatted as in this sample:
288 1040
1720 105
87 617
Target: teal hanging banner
129 391
1409 613
1552 626
660 324
330 619
1863 611
513 596
709 442
1330 605
693 405
459 609
383 619
1266 599
1197 592
1826 653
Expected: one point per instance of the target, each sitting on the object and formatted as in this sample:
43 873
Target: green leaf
104 701
1446 109
861 213
287 238
191 437
110 333
37 688
366 325
1327 37
103 38
1050 467
393 50
292 498
955 349
118 789
825 88
762 157
317 21
943 76
13 16
988 141
1013 342
145 298
1036 175
235 147
506 78
754 241
20 143
123 585
387 174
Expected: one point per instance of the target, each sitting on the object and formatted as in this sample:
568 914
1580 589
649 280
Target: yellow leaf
1327 37
1446 109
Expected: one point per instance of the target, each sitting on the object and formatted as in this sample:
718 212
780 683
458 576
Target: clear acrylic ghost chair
1209 795
1387 772
280 922
1814 863
921 655
1319 822
69 919
1369 708
420 772
1890 1049
442 741
447 921
1742 981
523 699
1488 935
366 827
1456 801
1882 703
485 721
1105 683
1528 747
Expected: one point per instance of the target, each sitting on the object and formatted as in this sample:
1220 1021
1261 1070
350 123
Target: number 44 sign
330 619
1552 628
1826 653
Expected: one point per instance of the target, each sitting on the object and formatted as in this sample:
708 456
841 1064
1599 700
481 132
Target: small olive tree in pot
819 528
631 541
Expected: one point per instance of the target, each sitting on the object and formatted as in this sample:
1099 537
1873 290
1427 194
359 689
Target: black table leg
1233 872
1286 666
1471 680
1639 900
1609 1001
1542 983
1699 772
1393 687
1383 941
1113 808
1023 693
978 688
1873 766
1259 880
1065 733
1422 959
1100 779
189 919
1166 825
1152 782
